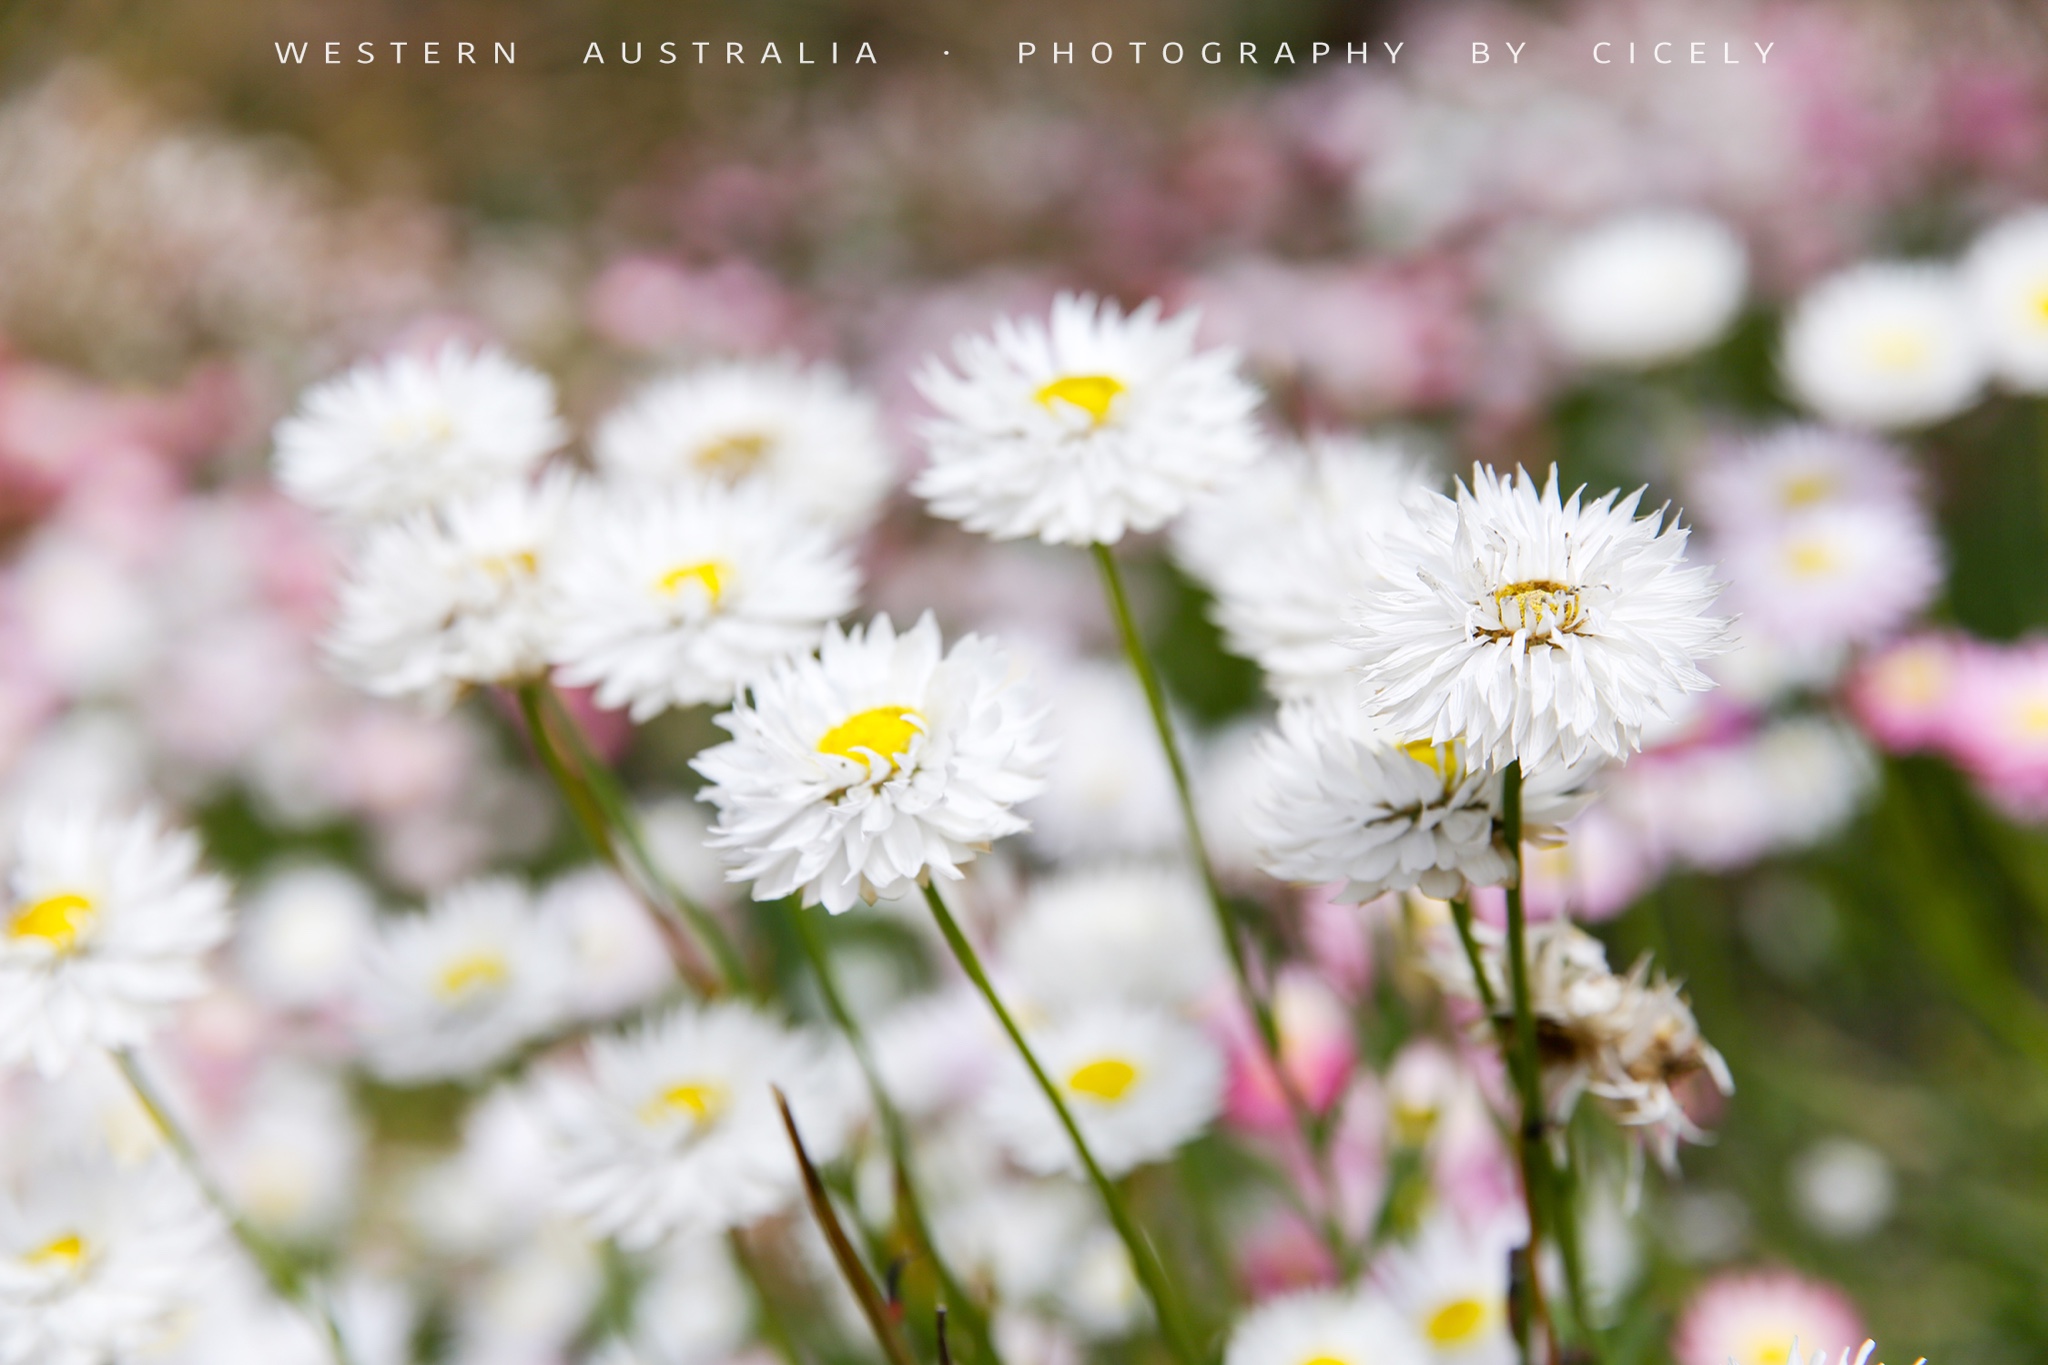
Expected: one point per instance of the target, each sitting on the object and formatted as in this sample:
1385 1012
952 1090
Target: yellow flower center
520 563
419 428
1769 1353
1092 393
885 731
1105 1079
1913 678
709 576
58 920
1810 558
66 1251
1456 1322
732 457
703 1101
1804 490
2040 302
471 973
1897 349
2033 718
1540 606
1326 1360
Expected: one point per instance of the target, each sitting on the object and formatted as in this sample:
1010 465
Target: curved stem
1144 1260
1254 1000
1461 915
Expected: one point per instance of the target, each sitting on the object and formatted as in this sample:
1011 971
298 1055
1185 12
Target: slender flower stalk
1254 1000
1144 1260
896 1135
283 1279
1524 1064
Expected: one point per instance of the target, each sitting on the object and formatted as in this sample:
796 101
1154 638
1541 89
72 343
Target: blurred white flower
1832 577
803 432
1884 344
1111 791
1083 428
883 759
1450 1284
463 597
1532 627
1842 1188
461 985
1142 932
1100 1293
398 436
618 959
110 923
528 1304
694 1309
936 1050
680 596
292 1161
493 1190
1795 469
1643 288
302 939
1137 1080
1325 1327
2006 271
674 1130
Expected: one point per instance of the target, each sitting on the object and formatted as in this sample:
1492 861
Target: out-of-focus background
190 230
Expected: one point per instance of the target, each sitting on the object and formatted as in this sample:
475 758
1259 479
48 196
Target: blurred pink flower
1600 868
1338 935
1996 727
1316 1048
652 303
1282 1253
1904 695
1752 1317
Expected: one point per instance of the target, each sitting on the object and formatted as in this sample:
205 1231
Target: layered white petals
1325 1327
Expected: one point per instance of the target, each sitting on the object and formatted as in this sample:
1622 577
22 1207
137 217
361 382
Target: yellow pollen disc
707 575
1092 393
1807 489
1106 1079
420 426
66 1251
1914 679
2041 303
1772 1355
703 1101
57 920
522 562
730 457
1898 349
2033 718
1810 558
471 973
1539 605
1459 1320
1326 1360
884 730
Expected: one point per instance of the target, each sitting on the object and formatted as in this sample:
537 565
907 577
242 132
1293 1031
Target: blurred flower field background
1842 856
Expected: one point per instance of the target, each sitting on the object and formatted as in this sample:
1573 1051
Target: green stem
1144 1260
1461 915
895 1133
1524 1062
277 1270
1254 1000
1566 1208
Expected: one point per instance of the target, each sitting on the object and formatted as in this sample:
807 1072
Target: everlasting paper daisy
1082 428
462 597
678 597
801 432
1533 627
1798 469
1755 1317
1335 800
1120 931
1139 1083
1451 1286
1903 694
1834 577
109 922
2006 272
1325 1328
617 957
1885 344
401 435
856 773
1997 724
1644 288
97 1263
674 1130
460 986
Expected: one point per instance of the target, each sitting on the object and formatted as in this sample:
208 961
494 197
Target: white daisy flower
1451 1285
1884 344
463 597
1111 792
855 773
679 597
1797 469
1083 428
110 923
301 941
396 436
1325 1328
674 1129
1335 800
618 959
461 985
1643 288
292 1162
1136 931
2006 272
1832 577
98 1263
1289 548
1138 1081
803 431
1533 627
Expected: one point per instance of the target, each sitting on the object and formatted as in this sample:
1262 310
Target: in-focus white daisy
462 597
1884 344
396 436
1119 931
1138 1081
1832 577
855 773
1111 792
302 939
97 1263
1288 549
1643 288
1325 1327
1451 1286
803 431
674 1129
463 984
1083 428
618 958
1794 470
2006 271
1534 627
678 597
109 922
1337 801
